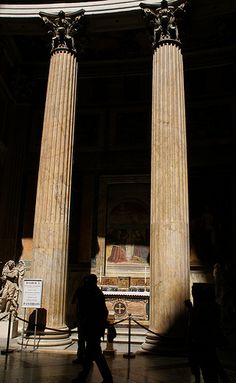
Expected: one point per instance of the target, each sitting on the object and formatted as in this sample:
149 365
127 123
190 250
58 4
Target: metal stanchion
23 330
129 354
7 350
35 327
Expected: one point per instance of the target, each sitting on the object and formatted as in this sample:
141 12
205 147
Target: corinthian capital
63 27
164 19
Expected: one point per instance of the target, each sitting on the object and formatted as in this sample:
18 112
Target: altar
123 303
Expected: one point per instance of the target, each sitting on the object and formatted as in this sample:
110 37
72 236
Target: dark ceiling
114 92
119 46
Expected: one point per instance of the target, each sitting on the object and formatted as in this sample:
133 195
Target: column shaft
51 227
169 243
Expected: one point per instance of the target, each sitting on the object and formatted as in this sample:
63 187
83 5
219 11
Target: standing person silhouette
79 296
93 321
205 333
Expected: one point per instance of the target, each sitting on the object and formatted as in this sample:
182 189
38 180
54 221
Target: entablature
90 7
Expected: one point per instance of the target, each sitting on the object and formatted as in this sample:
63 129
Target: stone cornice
90 8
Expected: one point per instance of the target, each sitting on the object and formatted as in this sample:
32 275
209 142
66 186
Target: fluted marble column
169 241
51 225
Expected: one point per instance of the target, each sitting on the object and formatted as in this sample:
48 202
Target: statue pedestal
4 324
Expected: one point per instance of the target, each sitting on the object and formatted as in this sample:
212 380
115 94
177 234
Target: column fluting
51 225
169 238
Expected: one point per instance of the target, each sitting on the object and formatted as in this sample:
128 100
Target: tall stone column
169 242
51 225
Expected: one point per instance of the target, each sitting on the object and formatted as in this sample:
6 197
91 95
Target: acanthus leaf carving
63 28
164 20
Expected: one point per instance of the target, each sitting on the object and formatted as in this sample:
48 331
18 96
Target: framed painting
123 226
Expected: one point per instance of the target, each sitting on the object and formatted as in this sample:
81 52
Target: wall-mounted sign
32 293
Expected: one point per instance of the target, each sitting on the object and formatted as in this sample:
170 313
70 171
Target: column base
164 345
46 339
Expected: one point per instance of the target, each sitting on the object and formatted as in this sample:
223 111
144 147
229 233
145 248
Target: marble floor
56 367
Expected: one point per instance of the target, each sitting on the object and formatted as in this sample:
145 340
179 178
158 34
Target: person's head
21 264
91 280
11 264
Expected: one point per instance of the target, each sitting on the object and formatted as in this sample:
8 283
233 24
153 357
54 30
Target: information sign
32 293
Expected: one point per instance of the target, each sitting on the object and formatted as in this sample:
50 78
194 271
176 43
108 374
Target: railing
129 354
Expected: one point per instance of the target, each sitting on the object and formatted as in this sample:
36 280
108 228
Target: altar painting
127 227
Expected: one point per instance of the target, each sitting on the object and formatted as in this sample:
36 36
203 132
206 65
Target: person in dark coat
204 337
93 321
78 299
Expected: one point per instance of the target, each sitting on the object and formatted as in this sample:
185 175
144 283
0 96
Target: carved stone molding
63 27
164 19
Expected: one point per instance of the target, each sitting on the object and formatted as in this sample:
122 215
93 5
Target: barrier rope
48 328
146 328
58 330
4 317
75 331
129 354
122 320
141 325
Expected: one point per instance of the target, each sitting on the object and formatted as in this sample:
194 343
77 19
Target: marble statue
11 285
